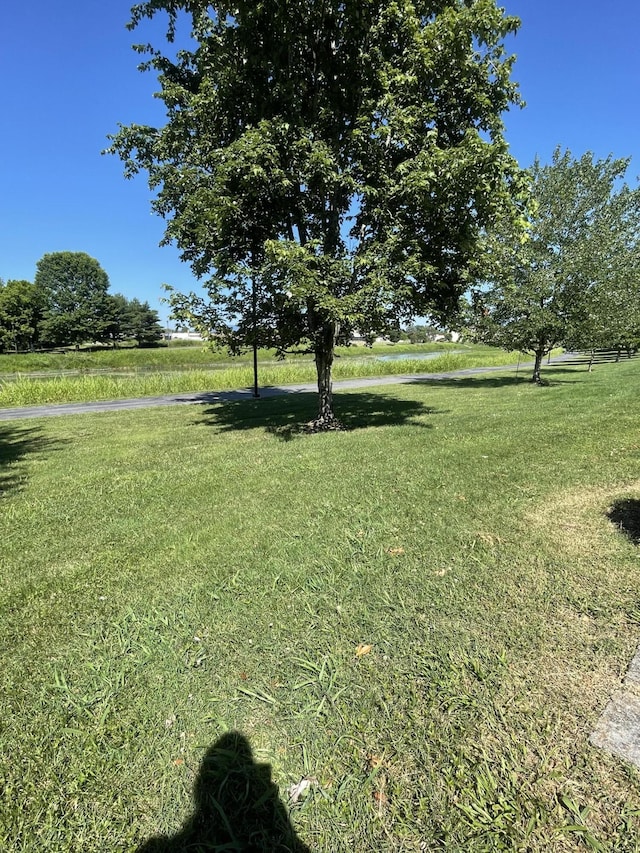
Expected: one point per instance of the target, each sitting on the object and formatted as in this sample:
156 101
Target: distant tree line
68 304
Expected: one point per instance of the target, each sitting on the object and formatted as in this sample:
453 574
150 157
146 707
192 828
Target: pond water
419 356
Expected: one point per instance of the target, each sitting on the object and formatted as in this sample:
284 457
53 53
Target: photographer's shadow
237 807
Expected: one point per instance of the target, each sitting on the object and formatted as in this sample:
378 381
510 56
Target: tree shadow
237 807
625 514
287 416
15 443
601 357
486 380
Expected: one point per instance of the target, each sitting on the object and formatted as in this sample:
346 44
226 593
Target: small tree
327 165
74 288
558 284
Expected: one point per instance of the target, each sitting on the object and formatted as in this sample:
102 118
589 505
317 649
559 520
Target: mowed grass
169 575
229 374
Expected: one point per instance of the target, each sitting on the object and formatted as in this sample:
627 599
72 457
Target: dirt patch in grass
592 618
575 520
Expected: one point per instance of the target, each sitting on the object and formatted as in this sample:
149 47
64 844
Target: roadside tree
327 165
560 283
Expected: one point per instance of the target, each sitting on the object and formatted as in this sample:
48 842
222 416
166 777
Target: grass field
424 616
163 372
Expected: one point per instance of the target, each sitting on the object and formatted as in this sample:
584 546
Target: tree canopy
326 165
573 279
141 323
74 288
20 314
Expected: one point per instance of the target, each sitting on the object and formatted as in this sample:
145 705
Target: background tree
115 323
327 165
143 324
20 314
74 288
608 315
129 320
420 334
578 259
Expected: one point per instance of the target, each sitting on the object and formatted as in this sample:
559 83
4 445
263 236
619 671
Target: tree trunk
325 340
536 367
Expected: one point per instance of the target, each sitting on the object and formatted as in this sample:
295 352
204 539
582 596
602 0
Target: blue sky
70 76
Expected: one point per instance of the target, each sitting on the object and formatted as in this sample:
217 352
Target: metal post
256 392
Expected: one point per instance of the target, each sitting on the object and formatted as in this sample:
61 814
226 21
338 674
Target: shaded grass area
422 616
237 806
625 514
17 442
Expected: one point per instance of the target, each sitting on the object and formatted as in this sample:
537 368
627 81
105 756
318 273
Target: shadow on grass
287 416
15 443
237 807
488 380
625 514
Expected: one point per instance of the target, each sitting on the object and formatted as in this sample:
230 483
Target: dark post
256 392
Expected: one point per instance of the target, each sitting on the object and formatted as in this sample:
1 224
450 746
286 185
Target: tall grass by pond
172 357
65 389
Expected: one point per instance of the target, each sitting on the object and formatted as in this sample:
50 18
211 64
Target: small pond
419 356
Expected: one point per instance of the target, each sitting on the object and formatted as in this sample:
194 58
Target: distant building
454 337
183 336
359 339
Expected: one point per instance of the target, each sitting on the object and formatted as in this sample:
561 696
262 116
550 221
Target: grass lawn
424 616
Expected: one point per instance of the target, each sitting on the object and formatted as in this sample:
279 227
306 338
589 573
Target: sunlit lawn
168 575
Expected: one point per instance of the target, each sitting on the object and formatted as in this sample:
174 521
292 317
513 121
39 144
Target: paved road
53 409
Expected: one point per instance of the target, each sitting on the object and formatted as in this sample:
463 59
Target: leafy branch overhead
326 166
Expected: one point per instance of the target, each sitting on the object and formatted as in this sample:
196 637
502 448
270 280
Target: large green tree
326 164
74 288
566 281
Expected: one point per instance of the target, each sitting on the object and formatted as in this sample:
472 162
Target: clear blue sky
70 76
